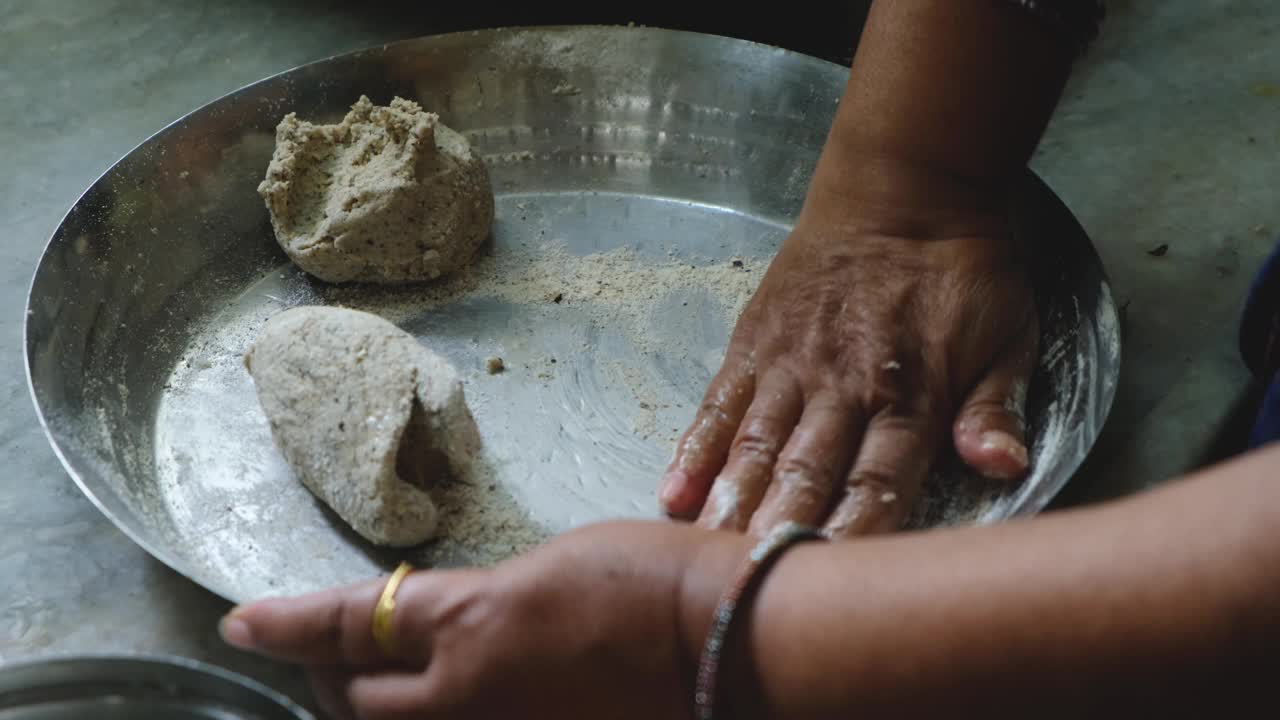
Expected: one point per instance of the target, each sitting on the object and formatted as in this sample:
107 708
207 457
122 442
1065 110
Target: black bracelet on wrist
1077 20
748 579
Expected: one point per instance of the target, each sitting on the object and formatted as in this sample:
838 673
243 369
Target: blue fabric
1260 345
1267 429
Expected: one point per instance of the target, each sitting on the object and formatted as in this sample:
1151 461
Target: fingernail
1006 443
236 632
673 485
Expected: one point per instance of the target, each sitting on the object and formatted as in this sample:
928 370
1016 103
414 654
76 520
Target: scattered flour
612 287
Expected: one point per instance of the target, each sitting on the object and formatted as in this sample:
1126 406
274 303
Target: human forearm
1150 602
901 302
946 102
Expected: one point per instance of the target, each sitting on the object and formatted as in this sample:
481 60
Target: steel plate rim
163 661
1109 390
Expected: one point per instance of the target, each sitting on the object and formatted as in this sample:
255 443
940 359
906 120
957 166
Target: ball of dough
388 195
365 415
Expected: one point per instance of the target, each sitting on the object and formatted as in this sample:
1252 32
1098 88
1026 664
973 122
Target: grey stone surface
1168 135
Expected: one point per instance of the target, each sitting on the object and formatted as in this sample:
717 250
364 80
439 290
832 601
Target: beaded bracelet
1078 20
748 578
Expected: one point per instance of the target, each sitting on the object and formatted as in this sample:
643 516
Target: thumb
990 429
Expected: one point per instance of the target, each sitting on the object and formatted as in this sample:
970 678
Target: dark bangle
1077 20
748 579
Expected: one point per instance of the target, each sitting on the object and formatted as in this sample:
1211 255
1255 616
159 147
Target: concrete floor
1159 141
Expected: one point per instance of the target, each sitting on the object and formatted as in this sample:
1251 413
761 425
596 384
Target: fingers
329 686
990 429
334 627
373 695
763 433
811 468
390 696
891 466
701 452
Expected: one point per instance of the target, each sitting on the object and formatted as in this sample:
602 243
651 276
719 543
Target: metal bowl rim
160 661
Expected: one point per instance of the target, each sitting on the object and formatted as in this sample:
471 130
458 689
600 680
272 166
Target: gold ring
384 612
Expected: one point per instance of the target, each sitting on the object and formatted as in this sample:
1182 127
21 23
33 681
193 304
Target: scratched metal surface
669 145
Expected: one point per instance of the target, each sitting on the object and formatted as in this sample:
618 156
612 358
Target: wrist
888 193
708 572
727 675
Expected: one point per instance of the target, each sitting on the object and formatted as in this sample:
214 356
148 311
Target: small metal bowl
118 687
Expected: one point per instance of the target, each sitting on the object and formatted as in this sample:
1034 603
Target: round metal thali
643 180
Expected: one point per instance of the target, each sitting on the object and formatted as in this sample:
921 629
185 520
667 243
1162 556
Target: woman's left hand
590 625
